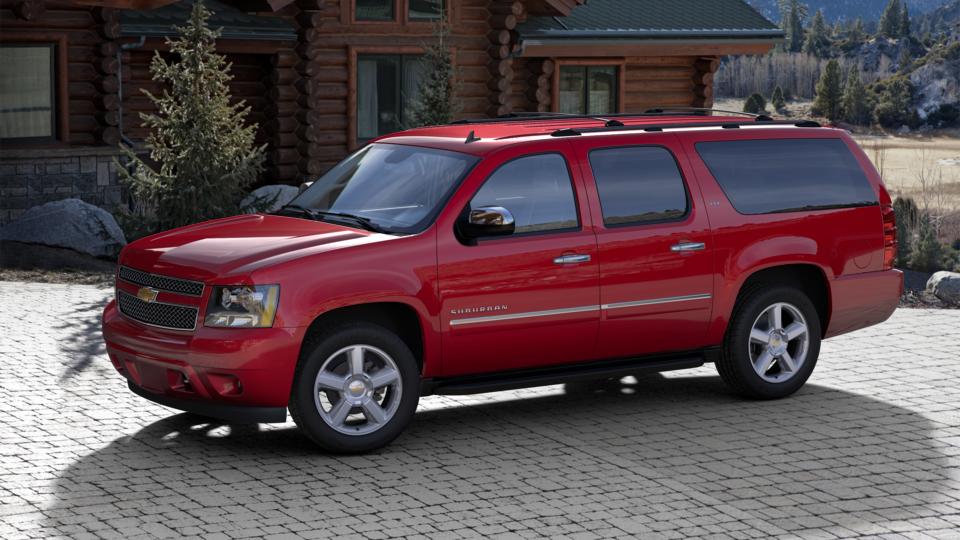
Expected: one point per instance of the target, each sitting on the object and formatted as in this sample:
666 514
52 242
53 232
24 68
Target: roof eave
640 46
151 31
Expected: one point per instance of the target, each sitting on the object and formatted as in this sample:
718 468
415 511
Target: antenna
471 137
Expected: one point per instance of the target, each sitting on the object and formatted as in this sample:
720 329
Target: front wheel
356 388
772 344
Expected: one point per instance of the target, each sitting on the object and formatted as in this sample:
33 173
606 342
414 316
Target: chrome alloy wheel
357 390
779 341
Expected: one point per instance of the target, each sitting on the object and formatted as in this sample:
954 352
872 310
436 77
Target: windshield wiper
319 215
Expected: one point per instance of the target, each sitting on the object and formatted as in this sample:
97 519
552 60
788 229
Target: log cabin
324 76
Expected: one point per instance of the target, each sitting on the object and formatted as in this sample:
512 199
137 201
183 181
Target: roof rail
572 132
609 120
704 110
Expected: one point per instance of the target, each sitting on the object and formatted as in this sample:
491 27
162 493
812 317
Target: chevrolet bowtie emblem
147 294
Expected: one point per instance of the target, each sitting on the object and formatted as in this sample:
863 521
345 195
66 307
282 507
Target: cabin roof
655 19
234 23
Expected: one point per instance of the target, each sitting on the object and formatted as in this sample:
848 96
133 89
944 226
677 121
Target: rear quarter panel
840 243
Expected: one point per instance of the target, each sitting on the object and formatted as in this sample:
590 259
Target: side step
511 380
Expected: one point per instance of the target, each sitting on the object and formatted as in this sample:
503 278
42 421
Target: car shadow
649 448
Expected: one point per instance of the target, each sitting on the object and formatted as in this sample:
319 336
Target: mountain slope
834 10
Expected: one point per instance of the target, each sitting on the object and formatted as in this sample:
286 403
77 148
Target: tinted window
638 184
787 174
536 190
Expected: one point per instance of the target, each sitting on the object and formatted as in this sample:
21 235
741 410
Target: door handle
683 247
571 259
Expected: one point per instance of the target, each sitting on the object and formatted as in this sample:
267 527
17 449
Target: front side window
27 91
387 88
425 10
537 190
374 10
588 89
398 188
783 175
639 184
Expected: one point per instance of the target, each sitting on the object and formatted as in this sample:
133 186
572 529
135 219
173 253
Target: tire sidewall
309 419
736 350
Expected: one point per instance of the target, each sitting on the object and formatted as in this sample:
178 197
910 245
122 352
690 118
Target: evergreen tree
777 100
891 20
829 92
894 103
855 108
906 212
792 14
817 42
857 33
204 152
755 104
904 26
927 252
436 104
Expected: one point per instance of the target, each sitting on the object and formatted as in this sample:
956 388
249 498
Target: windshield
396 188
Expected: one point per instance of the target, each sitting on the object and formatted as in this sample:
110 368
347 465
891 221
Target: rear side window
537 190
783 175
638 184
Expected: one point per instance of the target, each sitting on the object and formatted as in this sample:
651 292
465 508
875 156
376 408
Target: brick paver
871 446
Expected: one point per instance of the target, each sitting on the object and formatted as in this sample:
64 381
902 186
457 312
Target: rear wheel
356 388
772 344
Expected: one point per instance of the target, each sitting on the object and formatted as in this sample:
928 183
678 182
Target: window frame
401 16
818 208
683 182
60 98
573 189
619 64
353 81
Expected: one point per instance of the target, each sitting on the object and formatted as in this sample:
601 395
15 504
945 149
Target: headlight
242 306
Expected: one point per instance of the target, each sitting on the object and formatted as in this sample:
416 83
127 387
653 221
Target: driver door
529 299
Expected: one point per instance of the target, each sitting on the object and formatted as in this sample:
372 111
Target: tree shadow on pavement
83 342
635 455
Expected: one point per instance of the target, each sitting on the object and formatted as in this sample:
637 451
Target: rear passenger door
654 245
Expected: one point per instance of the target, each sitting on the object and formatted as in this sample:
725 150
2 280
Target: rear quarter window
783 175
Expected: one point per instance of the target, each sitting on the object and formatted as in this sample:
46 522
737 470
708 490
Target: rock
276 195
68 223
945 286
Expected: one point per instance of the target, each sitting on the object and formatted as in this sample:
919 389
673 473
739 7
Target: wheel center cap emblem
357 388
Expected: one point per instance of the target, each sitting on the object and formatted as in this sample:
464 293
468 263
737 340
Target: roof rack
572 132
610 120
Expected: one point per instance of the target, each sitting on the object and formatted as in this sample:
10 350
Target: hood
238 245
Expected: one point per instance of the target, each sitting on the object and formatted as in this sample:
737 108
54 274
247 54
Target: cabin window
387 88
27 91
375 10
588 89
425 10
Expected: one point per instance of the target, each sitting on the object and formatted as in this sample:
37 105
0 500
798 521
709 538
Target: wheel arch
811 278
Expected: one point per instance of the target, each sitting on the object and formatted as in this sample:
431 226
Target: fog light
225 385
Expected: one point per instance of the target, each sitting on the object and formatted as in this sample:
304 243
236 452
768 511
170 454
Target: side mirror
488 221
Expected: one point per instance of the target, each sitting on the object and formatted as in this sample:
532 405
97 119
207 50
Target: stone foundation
35 176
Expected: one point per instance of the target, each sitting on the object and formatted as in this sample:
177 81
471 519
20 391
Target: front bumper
234 374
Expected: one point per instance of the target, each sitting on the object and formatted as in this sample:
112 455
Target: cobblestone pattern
30 181
871 446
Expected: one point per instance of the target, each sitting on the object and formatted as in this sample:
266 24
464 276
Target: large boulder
68 223
945 286
268 198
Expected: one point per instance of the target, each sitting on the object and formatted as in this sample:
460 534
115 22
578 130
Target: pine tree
904 26
894 104
755 104
890 21
792 14
817 42
855 108
857 33
777 100
436 104
906 212
927 252
829 92
906 59
204 152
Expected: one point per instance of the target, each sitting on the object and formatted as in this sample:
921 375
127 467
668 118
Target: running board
511 380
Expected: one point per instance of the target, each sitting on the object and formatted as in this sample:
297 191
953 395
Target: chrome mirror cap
489 221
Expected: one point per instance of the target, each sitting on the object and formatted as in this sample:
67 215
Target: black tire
316 351
735 365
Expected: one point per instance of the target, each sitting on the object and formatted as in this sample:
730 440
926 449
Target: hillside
834 10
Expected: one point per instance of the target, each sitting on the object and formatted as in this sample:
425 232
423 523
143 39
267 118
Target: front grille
161 283
157 314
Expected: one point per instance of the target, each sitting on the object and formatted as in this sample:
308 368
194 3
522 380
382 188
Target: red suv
504 253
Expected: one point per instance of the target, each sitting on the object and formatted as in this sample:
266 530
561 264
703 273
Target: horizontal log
108 65
284 59
108 118
110 135
511 8
29 10
286 174
498 84
282 92
498 52
321 121
283 140
499 36
53 19
284 155
108 102
322 104
82 73
497 110
283 76
108 48
503 21
280 108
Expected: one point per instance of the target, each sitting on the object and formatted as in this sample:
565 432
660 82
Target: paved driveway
870 447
